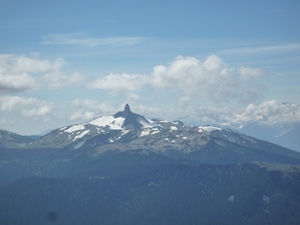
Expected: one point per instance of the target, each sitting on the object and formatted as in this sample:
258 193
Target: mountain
286 135
129 169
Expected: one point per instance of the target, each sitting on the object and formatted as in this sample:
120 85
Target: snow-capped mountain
119 127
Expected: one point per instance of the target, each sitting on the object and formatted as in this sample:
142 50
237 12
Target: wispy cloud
83 40
266 49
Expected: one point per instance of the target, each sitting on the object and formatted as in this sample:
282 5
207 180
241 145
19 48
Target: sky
66 62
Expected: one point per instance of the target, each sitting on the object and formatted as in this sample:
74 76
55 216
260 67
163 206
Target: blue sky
64 62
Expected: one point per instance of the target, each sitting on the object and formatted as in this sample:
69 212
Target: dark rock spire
126 111
131 119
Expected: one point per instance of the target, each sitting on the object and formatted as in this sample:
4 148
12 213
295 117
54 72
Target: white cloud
42 110
19 73
7 121
131 97
86 109
15 64
94 105
16 83
266 49
247 73
30 107
270 112
177 74
9 103
57 80
145 110
213 62
251 93
81 39
212 78
82 115
120 83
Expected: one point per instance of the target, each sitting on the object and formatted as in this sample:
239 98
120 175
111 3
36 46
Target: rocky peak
131 119
126 112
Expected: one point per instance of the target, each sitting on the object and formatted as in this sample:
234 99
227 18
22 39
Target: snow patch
146 123
208 128
80 144
99 130
74 128
145 133
149 131
173 128
124 132
155 132
110 121
81 135
163 121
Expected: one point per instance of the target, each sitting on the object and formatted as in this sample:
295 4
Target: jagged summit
126 111
132 120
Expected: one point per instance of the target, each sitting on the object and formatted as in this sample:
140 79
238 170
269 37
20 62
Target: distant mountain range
280 132
129 169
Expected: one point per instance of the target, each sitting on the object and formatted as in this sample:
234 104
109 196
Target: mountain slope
12 140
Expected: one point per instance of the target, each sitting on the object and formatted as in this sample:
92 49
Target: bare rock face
131 119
